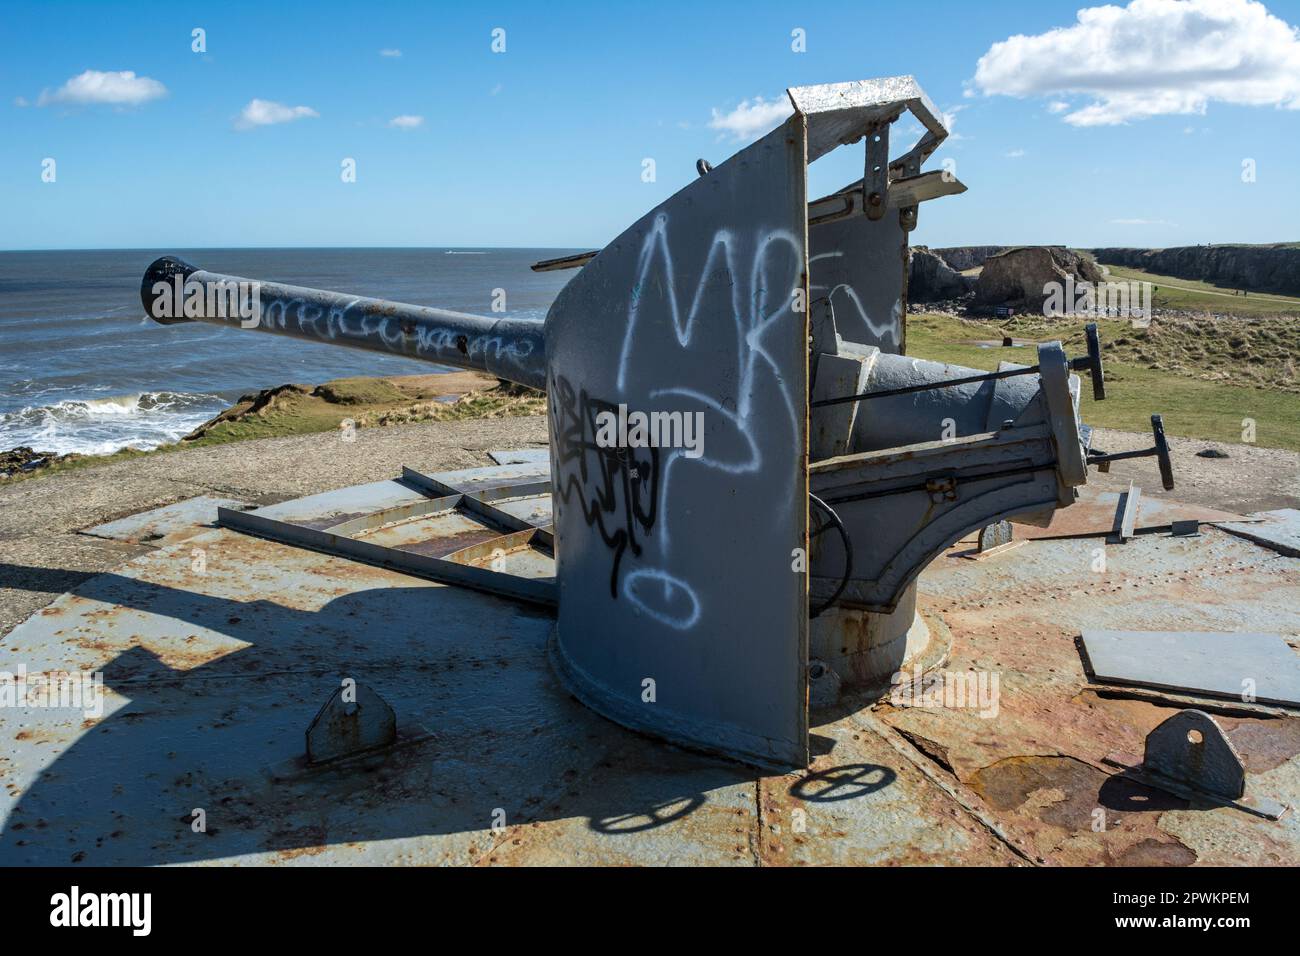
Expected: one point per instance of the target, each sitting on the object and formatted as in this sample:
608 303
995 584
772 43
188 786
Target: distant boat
457 252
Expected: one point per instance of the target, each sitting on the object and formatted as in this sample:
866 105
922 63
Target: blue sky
542 145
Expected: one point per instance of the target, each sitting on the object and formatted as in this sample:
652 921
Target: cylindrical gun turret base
865 649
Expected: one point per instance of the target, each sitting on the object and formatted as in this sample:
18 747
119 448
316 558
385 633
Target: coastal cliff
1272 268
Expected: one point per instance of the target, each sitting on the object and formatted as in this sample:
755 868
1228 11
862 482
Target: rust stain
1151 852
1072 787
312 841
438 547
1262 744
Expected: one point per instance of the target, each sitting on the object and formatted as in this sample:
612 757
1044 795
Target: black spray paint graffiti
616 488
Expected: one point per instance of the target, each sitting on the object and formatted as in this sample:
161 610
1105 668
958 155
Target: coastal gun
832 467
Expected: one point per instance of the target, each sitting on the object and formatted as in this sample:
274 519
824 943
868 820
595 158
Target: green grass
362 391
1195 296
77 462
1192 407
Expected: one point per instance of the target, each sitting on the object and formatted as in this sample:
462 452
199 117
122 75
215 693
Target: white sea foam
101 426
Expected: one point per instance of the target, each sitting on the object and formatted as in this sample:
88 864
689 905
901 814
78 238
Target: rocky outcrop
1018 276
962 258
23 459
931 279
1274 268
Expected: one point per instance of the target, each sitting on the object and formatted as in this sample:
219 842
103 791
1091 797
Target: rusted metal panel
331 508
434 568
658 553
1038 762
448 527
148 527
479 481
480 503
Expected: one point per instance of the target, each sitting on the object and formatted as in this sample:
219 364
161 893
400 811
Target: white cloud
390 52
949 119
751 117
1014 154
406 122
1152 58
20 101
120 88
268 113
1057 106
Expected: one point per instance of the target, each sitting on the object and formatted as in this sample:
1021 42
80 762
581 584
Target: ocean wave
101 426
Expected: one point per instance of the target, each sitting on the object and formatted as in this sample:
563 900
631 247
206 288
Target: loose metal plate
1259 667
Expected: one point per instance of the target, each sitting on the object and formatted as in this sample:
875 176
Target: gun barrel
513 349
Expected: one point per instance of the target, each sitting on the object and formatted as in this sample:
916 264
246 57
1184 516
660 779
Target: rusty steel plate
181 518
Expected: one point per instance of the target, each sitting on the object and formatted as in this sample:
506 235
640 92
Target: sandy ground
40 517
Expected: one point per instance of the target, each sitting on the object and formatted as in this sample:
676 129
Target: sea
82 369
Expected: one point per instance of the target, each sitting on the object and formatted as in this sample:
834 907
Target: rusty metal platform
214 669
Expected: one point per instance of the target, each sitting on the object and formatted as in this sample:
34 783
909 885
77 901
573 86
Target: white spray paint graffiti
357 320
846 303
756 312
676 604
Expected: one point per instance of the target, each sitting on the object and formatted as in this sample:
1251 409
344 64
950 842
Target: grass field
1147 370
1194 296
